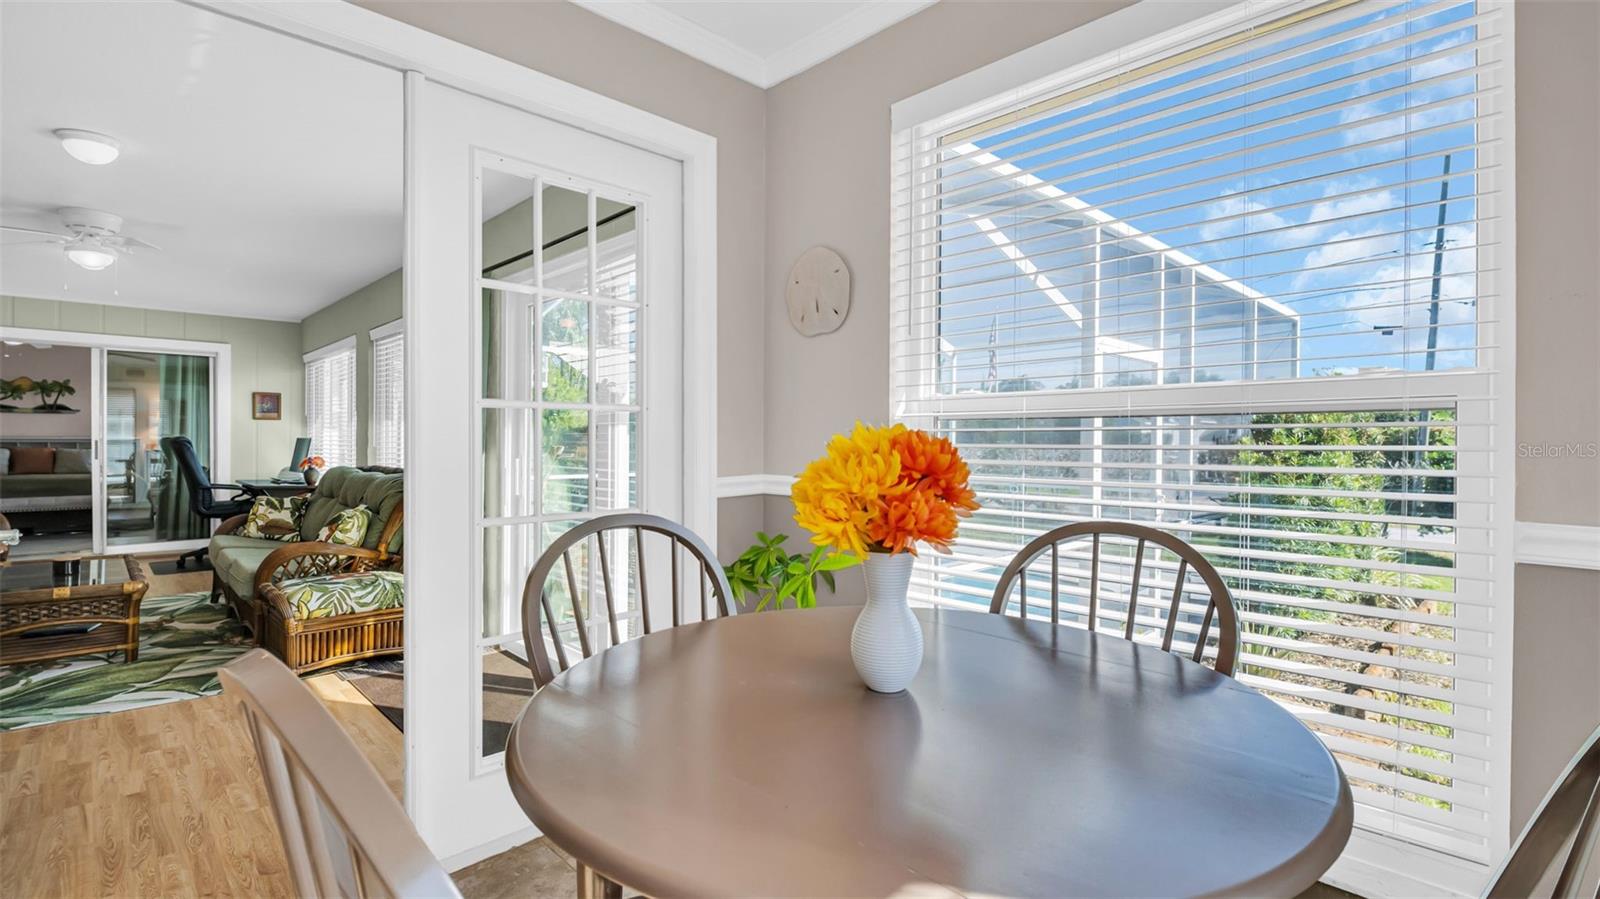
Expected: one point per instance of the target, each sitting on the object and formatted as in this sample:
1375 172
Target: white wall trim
754 485
658 22
661 24
1561 545
1373 865
387 329
342 345
490 849
838 36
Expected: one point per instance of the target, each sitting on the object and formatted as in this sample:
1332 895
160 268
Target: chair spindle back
538 615
1218 610
1562 839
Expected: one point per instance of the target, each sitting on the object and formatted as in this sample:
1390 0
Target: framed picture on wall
266 406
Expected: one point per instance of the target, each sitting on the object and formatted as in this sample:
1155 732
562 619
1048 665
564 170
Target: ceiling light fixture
90 253
89 146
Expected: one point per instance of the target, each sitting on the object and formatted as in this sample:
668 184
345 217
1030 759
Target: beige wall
562 40
266 357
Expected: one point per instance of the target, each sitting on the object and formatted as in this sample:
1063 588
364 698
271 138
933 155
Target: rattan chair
538 617
344 833
1561 840
1172 615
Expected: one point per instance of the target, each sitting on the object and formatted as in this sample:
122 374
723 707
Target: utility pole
1438 267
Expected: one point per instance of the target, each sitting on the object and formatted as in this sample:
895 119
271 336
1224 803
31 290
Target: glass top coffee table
57 608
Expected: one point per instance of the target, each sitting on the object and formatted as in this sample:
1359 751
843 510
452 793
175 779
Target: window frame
396 328
341 347
1147 32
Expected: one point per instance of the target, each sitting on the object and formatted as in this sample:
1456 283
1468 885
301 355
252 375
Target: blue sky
1332 226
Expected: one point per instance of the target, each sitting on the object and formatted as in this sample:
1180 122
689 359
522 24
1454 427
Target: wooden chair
1218 606
344 833
538 617
1561 839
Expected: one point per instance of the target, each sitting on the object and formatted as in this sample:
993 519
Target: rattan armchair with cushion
245 566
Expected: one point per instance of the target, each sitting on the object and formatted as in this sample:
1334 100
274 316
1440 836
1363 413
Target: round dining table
744 757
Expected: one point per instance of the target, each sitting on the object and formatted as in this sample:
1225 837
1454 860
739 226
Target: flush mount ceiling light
90 253
89 146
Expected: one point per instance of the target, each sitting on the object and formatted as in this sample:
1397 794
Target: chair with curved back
344 833
1561 840
538 616
1171 610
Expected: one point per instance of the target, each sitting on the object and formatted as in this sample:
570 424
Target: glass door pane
151 396
559 409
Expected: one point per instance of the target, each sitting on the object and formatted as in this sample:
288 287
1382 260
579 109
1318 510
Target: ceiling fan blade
30 242
134 243
50 235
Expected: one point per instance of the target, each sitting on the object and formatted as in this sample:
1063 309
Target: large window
331 401
388 427
1241 284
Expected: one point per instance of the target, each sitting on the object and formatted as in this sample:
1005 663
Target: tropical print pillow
275 518
348 528
344 594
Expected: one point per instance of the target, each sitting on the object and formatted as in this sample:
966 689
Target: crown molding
658 22
838 36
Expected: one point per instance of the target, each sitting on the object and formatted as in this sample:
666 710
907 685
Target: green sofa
244 566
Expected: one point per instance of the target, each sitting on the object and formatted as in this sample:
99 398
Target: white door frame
363 33
221 355
359 32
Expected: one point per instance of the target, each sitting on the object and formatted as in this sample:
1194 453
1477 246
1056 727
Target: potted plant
770 575
877 493
311 467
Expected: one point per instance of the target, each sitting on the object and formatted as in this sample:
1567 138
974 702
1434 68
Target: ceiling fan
93 239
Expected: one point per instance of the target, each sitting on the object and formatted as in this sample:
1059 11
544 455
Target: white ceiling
267 169
761 41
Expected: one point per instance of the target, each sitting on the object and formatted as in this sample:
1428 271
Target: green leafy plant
770 575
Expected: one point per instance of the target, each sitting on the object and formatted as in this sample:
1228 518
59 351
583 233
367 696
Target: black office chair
202 493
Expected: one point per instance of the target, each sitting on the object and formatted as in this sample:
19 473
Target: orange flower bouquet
877 493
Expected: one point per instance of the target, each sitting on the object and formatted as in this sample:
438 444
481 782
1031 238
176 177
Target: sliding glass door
149 397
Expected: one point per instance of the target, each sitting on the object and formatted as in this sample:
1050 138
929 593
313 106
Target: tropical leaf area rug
183 640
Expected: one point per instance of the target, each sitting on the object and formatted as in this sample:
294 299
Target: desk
276 488
743 757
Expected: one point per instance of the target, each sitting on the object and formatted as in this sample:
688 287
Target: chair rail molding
1561 545
754 485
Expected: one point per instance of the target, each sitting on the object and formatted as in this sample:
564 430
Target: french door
544 368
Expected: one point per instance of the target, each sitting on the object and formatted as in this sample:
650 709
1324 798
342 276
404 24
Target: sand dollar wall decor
818 292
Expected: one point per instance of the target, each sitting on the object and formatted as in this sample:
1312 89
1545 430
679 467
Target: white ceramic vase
886 643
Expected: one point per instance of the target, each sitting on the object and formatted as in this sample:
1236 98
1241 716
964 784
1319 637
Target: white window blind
1242 285
331 402
388 396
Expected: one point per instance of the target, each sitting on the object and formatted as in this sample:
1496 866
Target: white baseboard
1562 545
754 485
490 849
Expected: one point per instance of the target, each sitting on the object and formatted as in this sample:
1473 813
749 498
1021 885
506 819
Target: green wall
266 357
376 304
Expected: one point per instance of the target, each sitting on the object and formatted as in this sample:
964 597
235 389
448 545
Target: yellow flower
837 496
